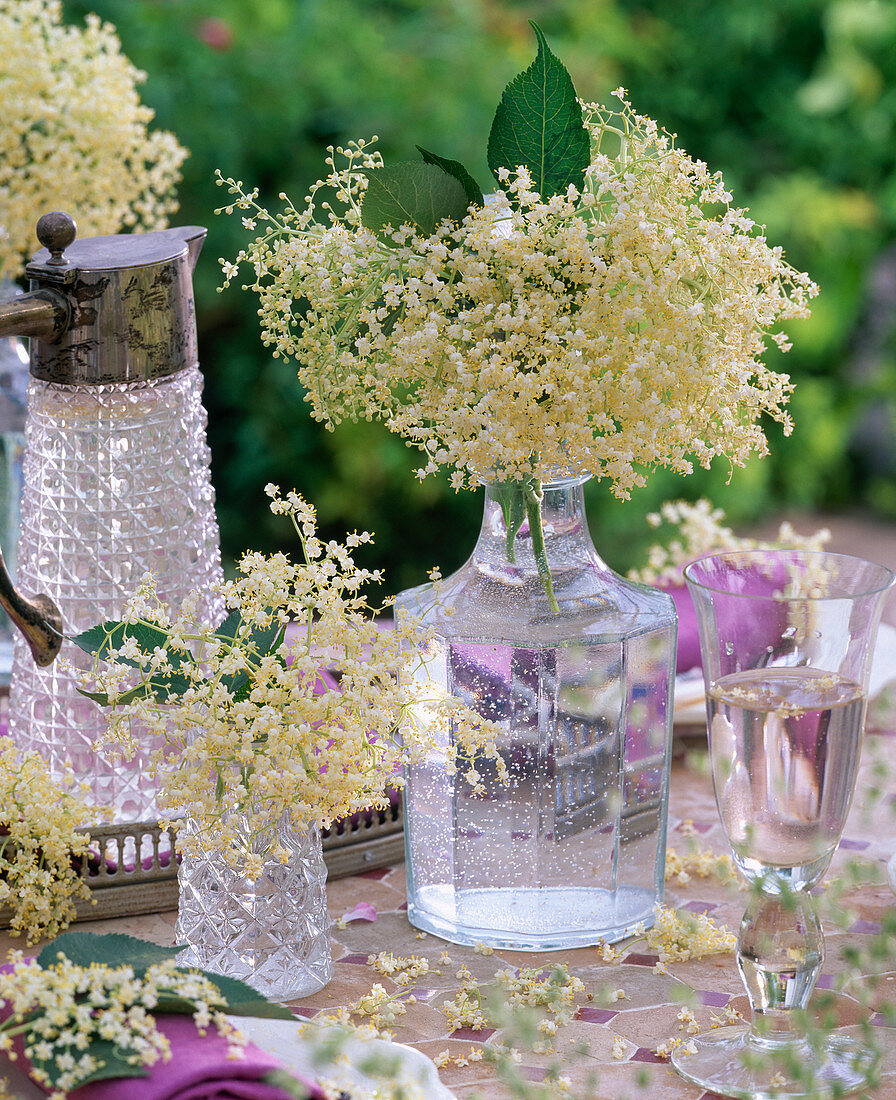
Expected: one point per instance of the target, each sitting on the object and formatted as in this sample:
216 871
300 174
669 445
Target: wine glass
786 639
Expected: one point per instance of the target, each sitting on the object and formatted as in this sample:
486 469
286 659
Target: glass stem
780 950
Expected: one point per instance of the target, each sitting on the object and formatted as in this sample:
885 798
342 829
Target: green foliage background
794 101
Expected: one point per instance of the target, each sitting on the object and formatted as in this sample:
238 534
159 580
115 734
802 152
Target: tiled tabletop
647 1016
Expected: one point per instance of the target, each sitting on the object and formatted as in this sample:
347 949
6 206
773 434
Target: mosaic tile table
647 1016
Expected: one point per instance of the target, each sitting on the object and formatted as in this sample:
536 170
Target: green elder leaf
415 193
100 640
108 949
241 999
539 124
456 169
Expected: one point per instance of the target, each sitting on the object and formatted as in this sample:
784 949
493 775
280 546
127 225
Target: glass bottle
571 850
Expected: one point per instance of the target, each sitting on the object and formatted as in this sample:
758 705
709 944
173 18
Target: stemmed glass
786 639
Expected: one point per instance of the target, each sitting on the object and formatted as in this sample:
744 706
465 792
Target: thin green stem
533 495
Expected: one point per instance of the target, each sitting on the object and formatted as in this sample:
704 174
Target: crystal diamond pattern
116 485
271 932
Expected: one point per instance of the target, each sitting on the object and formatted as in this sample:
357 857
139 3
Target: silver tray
123 885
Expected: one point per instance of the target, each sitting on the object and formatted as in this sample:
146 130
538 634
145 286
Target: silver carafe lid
131 315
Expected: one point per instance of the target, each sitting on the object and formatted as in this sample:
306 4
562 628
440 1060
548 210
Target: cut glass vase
570 851
272 931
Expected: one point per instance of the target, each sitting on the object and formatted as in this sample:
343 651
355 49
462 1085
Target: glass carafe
571 849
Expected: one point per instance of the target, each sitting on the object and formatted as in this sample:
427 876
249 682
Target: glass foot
730 1062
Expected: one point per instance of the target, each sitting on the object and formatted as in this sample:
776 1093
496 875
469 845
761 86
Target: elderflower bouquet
249 732
74 132
605 312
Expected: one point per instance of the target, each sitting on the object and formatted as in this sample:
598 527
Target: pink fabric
688 636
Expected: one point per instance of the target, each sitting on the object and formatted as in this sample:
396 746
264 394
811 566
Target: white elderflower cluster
704 864
401 971
700 530
677 936
40 845
553 988
466 1008
255 736
382 1007
618 326
473 1055
74 133
59 1011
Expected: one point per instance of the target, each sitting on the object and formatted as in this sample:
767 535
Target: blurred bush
795 102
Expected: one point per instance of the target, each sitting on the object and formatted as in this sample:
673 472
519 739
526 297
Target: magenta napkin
199 1070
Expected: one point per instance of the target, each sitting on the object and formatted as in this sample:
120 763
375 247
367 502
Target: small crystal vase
271 931
576 670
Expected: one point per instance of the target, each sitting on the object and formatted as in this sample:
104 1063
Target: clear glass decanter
116 474
572 849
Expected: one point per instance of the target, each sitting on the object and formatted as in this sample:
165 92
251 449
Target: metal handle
42 313
38 619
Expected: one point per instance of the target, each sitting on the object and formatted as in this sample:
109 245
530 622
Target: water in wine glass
785 745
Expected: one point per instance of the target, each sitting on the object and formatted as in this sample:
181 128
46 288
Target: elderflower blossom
39 840
676 1042
617 326
700 531
680 936
73 131
383 1008
401 971
703 864
254 735
555 989
62 1009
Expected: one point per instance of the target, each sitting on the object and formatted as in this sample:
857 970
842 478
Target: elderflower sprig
74 132
41 842
698 529
602 321
255 735
78 1022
